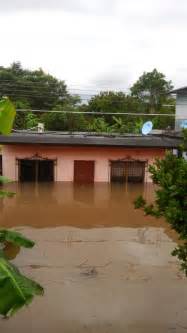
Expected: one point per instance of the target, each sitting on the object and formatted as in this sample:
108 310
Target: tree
99 125
116 102
31 120
64 121
20 122
112 101
36 88
152 90
170 175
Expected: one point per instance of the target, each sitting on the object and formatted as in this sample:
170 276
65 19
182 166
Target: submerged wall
65 156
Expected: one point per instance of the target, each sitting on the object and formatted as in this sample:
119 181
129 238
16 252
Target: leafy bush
170 174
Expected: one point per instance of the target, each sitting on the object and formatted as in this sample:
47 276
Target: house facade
181 108
81 158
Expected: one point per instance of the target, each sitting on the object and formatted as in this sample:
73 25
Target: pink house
83 158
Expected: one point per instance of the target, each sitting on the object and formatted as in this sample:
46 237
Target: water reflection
66 204
105 268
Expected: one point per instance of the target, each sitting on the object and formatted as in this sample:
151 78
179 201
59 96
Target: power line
99 113
55 94
30 82
47 84
50 94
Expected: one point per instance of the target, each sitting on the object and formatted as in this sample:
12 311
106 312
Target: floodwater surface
105 266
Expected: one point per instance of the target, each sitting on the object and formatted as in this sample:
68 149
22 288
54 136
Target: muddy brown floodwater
105 266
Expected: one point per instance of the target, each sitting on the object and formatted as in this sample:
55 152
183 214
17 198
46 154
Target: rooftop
89 139
179 90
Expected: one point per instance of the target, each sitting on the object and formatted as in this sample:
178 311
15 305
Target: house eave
82 140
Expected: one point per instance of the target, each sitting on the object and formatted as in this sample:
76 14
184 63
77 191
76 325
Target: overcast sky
94 44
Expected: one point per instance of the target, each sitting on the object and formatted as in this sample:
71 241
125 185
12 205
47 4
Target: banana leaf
1 253
7 115
15 238
16 290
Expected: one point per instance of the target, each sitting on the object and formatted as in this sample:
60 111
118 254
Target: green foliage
119 125
139 202
19 122
152 88
113 102
170 175
7 115
15 238
61 121
99 125
181 253
37 88
16 290
31 120
110 101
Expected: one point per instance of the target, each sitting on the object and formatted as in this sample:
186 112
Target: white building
181 108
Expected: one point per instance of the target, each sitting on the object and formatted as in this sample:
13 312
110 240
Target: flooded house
81 157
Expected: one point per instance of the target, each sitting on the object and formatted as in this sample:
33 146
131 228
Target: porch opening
127 171
84 172
36 170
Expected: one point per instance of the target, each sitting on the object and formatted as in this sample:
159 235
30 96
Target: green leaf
15 238
1 253
7 115
16 290
139 202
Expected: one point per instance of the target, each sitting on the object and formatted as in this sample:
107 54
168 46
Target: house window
127 171
36 170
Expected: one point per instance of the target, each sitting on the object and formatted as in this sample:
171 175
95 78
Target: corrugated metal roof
175 91
82 139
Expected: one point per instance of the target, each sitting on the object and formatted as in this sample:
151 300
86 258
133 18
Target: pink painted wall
64 170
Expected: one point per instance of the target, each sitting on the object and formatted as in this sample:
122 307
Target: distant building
181 107
81 158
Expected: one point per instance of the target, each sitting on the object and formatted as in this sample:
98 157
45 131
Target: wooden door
84 172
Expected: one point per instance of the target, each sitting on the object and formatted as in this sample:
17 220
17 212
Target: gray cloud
113 79
95 7
153 13
107 44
